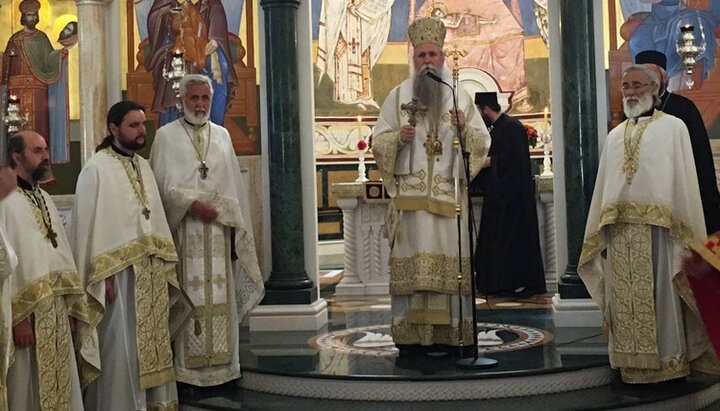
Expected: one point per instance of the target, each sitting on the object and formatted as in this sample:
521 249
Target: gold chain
132 170
631 142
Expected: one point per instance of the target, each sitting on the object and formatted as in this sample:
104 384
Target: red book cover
703 274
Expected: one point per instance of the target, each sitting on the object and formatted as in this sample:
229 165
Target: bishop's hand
457 118
23 333
407 134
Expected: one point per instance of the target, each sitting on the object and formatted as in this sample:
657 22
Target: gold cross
414 108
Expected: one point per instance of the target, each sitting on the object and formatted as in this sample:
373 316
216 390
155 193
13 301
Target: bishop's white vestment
200 164
422 223
119 231
46 286
645 209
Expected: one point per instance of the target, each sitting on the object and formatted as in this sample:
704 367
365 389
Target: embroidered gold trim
52 350
155 356
675 367
633 327
207 339
170 406
427 272
428 334
707 362
111 262
52 284
633 213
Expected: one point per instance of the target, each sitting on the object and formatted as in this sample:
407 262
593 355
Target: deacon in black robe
507 257
684 109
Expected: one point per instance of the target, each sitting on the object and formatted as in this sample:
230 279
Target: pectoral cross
146 213
203 170
414 109
354 45
52 236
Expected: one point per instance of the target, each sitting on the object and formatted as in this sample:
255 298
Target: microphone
437 78
455 106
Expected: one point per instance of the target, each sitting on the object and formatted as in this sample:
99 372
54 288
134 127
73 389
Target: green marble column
580 131
288 282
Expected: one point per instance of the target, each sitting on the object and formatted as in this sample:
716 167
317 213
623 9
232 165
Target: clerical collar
644 115
193 125
24 184
120 151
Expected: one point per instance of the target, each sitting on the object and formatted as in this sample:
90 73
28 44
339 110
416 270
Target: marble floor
355 346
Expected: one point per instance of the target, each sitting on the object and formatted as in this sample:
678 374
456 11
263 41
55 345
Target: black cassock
684 109
507 255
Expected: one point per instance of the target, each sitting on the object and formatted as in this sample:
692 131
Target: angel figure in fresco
351 39
198 28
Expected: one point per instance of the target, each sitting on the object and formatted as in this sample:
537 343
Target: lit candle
13 99
177 53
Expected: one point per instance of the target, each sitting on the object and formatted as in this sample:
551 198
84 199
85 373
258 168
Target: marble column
288 282
580 128
92 36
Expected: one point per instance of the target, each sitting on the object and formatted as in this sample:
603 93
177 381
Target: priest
126 258
509 225
684 109
46 291
207 208
645 209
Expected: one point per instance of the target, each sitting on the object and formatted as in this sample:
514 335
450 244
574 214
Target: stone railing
366 249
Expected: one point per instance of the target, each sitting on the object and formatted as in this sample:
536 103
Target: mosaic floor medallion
376 341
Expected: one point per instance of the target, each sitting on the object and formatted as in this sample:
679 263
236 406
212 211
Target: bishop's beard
429 92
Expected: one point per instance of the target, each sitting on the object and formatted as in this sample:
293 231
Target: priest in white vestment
207 208
8 262
46 290
423 174
126 257
645 209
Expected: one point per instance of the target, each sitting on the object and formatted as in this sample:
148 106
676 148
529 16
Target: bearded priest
126 257
47 295
645 209
207 208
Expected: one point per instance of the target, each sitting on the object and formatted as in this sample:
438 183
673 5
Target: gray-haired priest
207 208
645 209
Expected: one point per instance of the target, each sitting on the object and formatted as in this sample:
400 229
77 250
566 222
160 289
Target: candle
545 114
177 53
13 99
359 128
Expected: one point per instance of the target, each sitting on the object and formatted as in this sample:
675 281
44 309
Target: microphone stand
476 361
